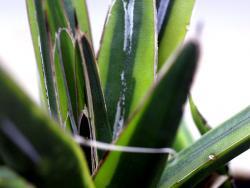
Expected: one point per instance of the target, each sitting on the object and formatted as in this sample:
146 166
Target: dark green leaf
80 82
209 153
127 57
77 13
56 17
43 54
95 100
82 17
174 26
70 13
153 126
84 120
33 145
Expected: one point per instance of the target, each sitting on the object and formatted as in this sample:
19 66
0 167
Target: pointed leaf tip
127 57
153 126
95 99
198 119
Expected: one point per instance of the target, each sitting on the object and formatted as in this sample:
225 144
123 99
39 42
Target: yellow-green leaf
174 27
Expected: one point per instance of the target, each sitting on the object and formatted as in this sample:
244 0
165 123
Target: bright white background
222 85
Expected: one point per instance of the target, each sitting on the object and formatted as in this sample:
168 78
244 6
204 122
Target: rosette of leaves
130 94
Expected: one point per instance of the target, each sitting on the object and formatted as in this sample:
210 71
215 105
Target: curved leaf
174 26
9 179
127 57
33 145
199 120
210 152
153 126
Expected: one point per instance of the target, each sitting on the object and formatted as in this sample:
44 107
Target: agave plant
112 119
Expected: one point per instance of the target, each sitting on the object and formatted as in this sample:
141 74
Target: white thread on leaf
127 149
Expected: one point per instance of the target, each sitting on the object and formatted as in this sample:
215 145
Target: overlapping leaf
203 128
46 18
64 61
33 145
77 14
210 152
157 120
56 17
43 54
95 99
127 57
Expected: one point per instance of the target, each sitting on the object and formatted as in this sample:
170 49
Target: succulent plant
112 119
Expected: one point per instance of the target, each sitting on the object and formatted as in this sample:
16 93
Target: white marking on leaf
128 24
44 75
120 109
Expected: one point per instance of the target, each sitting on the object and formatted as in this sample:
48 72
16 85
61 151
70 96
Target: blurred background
221 88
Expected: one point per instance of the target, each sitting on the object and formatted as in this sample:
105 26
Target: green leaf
80 83
33 145
183 138
70 13
43 53
174 27
56 17
84 120
209 153
9 179
199 120
153 126
77 13
64 60
203 128
82 17
127 57
95 99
